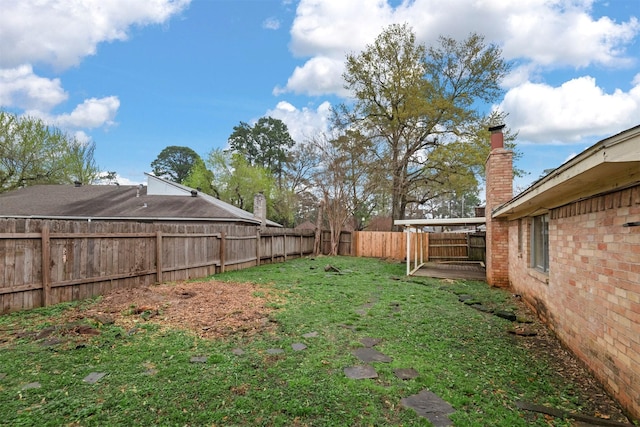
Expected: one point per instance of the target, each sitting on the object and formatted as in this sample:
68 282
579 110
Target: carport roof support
408 223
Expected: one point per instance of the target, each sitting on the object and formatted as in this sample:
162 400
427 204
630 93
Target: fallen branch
559 413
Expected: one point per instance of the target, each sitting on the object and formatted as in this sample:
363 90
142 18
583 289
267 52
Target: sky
136 76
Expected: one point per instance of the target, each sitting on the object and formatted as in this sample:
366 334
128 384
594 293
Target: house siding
591 294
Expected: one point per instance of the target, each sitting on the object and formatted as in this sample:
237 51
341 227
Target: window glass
540 243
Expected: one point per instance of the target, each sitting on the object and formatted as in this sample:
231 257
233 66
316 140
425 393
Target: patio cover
411 226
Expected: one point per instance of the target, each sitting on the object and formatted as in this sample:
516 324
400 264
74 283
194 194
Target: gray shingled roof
113 201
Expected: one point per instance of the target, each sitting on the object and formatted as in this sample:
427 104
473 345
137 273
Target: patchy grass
463 355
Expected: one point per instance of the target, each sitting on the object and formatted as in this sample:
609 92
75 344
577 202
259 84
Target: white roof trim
440 221
614 154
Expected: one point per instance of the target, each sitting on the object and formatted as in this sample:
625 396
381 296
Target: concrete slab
370 342
406 373
94 377
298 346
360 372
31 386
430 406
368 354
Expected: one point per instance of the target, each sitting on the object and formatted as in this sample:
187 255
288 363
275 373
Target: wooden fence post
222 245
272 246
258 242
46 266
159 256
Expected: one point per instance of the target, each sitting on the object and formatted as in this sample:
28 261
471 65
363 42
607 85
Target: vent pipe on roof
77 183
194 193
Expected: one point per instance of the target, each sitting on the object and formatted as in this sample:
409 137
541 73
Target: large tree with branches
411 100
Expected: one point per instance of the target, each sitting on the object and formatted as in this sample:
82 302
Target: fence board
383 244
87 259
456 246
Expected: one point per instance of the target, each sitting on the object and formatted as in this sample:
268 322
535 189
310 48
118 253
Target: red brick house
570 245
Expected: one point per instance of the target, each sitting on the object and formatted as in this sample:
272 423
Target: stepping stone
368 354
361 312
509 315
150 372
482 308
406 373
370 342
31 386
94 377
198 359
50 342
2 375
310 335
298 346
237 351
360 372
275 351
44 333
523 331
350 327
430 406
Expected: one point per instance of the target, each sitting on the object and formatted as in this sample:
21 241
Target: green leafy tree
174 163
81 164
265 144
32 152
236 181
201 178
411 100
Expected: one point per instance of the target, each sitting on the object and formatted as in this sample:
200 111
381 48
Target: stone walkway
425 403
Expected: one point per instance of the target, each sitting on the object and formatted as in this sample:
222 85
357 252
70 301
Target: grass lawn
463 355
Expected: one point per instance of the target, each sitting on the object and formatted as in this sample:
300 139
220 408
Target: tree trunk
317 242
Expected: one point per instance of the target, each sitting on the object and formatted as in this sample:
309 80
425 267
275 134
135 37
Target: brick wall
591 296
499 178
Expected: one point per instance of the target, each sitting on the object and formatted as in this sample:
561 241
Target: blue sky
136 76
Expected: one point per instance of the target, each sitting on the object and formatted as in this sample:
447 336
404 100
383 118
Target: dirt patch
209 309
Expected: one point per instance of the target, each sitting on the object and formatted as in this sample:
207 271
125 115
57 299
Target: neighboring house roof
307 225
118 202
610 164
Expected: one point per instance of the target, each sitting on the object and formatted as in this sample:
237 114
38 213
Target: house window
540 243
520 236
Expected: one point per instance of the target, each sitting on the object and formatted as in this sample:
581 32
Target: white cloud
271 24
318 76
565 34
569 112
92 113
537 33
302 123
20 87
62 32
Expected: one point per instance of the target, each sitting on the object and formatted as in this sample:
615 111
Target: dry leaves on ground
209 309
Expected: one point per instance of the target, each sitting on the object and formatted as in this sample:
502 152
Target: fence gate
457 246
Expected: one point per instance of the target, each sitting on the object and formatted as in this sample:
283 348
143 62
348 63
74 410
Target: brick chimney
499 182
260 208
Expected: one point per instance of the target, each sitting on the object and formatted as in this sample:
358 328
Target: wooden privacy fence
457 247
384 244
45 262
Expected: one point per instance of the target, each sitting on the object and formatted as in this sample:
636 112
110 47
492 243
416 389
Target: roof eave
607 165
